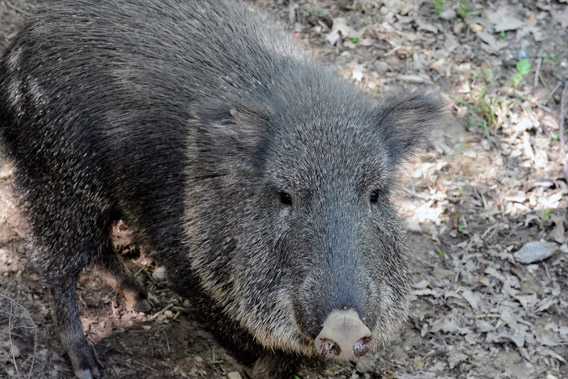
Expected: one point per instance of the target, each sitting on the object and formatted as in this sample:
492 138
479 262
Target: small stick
10 339
416 195
411 180
544 83
561 125
392 51
539 62
167 342
544 108
143 365
552 92
155 315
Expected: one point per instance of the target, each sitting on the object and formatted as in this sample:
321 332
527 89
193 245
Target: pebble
406 9
458 28
5 174
535 251
15 351
160 273
476 27
417 64
448 14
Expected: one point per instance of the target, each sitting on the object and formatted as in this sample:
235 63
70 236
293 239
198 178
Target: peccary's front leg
66 313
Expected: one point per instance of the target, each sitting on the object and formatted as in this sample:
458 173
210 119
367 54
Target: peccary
260 180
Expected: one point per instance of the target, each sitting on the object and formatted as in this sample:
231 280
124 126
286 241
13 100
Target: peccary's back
105 102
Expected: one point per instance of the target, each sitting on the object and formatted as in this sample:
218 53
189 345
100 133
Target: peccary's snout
344 336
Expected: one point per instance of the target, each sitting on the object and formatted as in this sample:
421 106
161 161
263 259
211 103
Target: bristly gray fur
188 120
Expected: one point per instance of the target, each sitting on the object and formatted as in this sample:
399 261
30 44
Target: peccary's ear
235 127
406 121
243 127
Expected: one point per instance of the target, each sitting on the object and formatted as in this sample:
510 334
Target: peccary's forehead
331 149
328 134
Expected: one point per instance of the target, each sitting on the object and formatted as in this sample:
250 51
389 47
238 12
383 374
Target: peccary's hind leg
66 313
119 277
62 263
69 233
62 278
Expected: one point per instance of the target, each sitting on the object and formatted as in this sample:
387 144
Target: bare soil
491 181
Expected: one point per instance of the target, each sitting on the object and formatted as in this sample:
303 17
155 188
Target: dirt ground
490 182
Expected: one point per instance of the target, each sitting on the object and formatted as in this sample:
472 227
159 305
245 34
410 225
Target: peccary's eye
374 197
285 198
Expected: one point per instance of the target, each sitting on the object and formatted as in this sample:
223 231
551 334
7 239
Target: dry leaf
504 19
491 44
561 18
472 299
339 29
557 233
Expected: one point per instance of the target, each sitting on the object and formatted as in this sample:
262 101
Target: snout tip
343 336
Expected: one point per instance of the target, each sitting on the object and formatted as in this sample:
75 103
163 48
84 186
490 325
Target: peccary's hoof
84 361
137 299
143 306
88 374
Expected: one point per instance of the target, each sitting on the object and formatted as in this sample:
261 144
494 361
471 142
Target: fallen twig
10 339
155 315
544 108
143 365
561 125
551 94
537 73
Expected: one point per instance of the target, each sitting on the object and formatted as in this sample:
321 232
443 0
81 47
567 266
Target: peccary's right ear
231 130
406 120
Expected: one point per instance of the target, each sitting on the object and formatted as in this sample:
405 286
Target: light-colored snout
344 336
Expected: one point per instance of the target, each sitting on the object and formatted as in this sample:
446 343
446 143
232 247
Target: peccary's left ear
406 120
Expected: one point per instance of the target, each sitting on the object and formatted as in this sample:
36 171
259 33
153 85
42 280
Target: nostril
361 347
327 346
